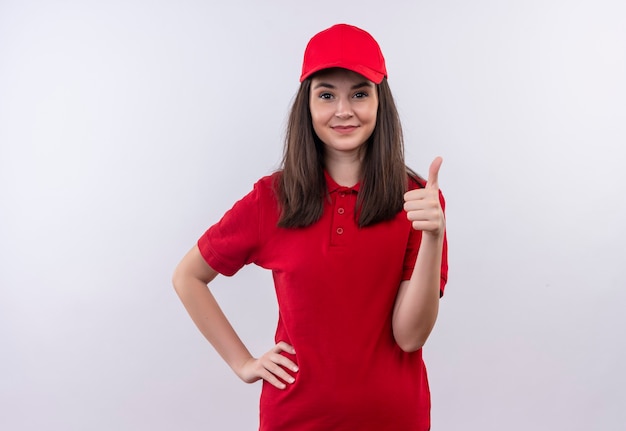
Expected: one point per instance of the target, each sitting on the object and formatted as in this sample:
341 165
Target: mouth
344 129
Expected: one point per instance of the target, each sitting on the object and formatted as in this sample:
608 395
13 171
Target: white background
129 127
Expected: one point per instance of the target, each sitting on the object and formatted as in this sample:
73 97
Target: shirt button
342 194
339 230
340 210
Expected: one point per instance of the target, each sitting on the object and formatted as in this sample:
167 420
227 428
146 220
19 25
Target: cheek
369 117
318 126
319 118
373 117
369 113
371 123
315 120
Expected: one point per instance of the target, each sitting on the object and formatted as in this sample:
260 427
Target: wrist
433 236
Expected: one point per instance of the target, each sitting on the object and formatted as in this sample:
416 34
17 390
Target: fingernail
295 368
291 380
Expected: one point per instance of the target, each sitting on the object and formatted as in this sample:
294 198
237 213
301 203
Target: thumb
433 173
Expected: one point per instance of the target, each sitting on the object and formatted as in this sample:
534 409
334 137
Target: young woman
356 244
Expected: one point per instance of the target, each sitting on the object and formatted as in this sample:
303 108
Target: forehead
337 75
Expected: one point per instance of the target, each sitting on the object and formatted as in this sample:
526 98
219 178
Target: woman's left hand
423 207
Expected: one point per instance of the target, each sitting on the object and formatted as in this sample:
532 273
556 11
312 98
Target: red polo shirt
336 285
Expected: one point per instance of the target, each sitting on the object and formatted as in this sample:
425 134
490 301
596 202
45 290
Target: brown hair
301 188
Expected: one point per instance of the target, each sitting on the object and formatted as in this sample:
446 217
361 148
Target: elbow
175 283
410 342
177 280
185 279
411 336
410 346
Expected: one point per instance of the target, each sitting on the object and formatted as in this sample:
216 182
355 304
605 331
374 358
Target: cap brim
372 75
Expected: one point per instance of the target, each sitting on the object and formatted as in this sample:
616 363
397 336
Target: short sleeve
415 239
232 242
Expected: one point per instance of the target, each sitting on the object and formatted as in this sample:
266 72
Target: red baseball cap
344 46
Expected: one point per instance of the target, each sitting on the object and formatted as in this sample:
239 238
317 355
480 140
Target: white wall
128 127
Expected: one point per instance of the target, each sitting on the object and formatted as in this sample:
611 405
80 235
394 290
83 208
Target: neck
345 169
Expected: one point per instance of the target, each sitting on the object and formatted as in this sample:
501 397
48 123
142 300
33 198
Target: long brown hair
301 187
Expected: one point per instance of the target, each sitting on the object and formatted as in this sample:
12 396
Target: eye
325 96
360 95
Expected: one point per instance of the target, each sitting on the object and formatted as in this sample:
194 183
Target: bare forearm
417 304
190 281
212 323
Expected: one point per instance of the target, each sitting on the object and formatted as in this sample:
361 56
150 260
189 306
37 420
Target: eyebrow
354 87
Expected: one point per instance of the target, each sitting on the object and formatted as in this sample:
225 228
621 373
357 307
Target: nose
344 109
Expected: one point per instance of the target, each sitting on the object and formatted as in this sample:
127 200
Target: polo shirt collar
333 186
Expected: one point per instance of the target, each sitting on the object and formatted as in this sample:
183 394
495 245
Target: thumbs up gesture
423 207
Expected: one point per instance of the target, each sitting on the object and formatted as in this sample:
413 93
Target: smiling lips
344 129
